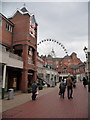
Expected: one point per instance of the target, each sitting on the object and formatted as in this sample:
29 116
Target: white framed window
8 28
11 29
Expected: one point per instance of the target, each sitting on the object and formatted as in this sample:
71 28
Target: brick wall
6 35
21 26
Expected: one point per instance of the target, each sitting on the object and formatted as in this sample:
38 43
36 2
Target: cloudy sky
66 22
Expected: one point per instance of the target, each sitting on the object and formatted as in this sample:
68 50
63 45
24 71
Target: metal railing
15 56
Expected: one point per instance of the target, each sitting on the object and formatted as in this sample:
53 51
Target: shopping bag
37 93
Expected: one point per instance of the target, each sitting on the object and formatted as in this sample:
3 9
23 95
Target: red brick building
73 65
69 64
18 48
18 34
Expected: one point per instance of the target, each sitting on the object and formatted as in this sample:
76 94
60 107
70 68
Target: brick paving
50 105
21 98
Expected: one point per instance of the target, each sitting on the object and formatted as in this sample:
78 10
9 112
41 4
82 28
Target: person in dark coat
62 88
84 81
34 90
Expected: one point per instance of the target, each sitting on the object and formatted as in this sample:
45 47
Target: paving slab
21 98
50 105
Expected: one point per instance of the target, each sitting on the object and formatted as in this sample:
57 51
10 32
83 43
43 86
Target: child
62 88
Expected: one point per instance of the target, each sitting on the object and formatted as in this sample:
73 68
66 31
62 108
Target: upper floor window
8 27
64 70
0 22
32 20
30 51
32 29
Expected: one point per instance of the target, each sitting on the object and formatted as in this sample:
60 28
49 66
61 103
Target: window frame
8 27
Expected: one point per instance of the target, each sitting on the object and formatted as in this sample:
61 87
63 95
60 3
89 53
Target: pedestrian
73 82
62 88
34 90
65 81
69 87
84 81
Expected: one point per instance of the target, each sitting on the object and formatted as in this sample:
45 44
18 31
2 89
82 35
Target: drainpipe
4 77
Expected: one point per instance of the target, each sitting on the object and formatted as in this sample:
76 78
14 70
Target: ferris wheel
51 47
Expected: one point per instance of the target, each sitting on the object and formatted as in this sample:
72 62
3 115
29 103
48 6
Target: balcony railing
15 56
12 55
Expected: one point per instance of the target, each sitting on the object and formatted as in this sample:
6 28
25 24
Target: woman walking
62 88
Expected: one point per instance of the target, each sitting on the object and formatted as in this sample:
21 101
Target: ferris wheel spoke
42 49
46 47
51 46
47 44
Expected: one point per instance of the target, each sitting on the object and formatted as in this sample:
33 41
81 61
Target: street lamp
86 53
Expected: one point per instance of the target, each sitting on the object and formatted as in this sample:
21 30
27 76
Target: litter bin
10 94
53 83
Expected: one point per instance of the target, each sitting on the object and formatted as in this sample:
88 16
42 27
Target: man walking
69 87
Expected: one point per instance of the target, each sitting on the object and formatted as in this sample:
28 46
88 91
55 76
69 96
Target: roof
49 58
54 59
23 11
67 57
59 59
82 64
6 19
75 66
74 53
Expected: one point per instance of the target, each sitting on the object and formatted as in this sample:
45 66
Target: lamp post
87 73
86 52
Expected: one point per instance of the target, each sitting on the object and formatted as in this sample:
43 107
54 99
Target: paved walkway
50 105
21 98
